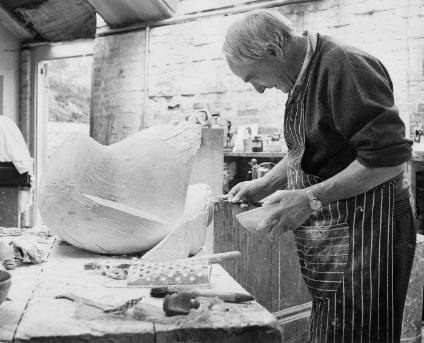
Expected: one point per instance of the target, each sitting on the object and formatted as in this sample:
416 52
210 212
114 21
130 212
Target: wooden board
47 319
235 323
24 280
9 206
268 270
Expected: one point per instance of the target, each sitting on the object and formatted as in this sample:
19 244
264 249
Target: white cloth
13 147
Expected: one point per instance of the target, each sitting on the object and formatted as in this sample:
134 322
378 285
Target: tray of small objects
151 274
140 273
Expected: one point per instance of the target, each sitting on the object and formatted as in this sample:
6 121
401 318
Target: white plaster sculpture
148 171
189 236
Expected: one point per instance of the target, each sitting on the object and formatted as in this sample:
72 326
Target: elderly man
346 200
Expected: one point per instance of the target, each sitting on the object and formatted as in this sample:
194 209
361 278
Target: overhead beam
54 20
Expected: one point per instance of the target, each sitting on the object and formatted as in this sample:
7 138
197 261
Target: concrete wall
9 69
186 65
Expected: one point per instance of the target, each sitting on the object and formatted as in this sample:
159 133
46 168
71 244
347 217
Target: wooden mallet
179 304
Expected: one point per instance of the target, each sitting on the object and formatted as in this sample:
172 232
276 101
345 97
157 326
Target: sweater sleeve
362 105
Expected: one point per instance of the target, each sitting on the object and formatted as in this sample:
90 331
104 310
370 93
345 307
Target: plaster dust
149 171
213 312
152 312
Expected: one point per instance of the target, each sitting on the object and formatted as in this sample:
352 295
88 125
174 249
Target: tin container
257 144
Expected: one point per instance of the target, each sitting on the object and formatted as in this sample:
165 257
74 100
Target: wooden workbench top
34 315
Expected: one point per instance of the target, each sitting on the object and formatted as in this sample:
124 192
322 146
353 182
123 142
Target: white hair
248 39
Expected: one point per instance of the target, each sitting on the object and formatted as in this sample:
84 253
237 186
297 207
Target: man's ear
275 50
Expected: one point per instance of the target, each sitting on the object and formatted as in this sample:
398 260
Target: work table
34 315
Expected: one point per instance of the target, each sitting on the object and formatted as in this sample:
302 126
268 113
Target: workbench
34 315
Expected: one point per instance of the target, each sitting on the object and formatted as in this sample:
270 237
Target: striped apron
345 252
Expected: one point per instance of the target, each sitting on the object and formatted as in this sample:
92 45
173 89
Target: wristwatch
314 203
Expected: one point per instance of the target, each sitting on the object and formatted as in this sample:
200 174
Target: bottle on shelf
418 130
247 140
253 172
215 120
257 144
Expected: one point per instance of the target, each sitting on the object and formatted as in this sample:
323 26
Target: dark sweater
350 112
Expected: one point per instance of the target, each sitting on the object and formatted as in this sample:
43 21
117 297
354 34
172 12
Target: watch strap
314 203
310 194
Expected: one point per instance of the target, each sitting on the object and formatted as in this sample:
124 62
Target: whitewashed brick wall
118 86
186 65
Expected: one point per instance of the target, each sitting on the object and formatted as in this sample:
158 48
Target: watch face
315 204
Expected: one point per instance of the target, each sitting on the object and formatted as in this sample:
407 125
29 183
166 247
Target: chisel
229 297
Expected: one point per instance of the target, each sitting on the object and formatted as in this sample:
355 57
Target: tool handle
218 257
86 301
231 297
228 297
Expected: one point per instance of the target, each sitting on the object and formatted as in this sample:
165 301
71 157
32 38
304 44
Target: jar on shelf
257 144
216 120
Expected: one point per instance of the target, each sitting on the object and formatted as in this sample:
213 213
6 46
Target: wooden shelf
254 154
417 156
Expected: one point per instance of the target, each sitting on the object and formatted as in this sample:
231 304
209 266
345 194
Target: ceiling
64 20
127 12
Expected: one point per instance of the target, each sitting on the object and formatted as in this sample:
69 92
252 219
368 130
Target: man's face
262 74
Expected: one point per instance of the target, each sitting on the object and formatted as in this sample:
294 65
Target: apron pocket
323 253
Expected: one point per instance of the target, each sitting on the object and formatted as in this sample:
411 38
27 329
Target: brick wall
26 104
117 104
186 65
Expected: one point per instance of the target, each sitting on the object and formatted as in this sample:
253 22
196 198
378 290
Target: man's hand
292 212
249 191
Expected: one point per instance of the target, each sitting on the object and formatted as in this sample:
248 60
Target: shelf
417 155
255 154
418 152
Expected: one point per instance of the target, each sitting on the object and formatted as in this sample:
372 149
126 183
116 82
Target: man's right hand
248 191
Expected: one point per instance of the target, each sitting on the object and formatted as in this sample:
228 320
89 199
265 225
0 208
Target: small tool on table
104 307
230 297
179 304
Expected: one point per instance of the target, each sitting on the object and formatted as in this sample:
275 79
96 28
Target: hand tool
215 258
240 203
104 307
230 297
179 303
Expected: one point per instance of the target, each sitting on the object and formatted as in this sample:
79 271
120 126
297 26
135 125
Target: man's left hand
292 211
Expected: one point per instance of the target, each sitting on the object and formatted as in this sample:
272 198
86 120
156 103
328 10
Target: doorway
63 107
